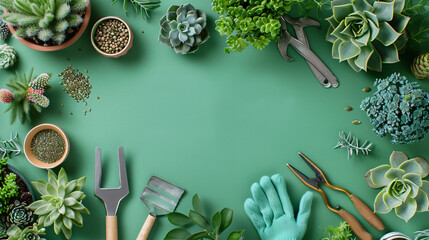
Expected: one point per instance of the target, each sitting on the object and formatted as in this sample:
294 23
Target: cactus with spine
4 30
25 95
7 56
420 66
44 19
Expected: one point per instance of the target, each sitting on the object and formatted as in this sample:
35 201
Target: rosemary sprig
352 145
10 147
141 6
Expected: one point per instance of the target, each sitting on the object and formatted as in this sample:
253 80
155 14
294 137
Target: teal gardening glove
271 211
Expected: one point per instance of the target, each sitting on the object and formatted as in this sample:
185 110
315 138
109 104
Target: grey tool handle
147 226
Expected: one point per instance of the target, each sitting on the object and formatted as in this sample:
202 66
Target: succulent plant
403 187
6 96
3 230
8 188
19 214
26 95
28 233
183 28
45 19
7 56
420 66
398 108
4 30
367 33
61 203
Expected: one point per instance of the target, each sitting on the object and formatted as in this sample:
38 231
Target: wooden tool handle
367 213
111 228
147 226
355 225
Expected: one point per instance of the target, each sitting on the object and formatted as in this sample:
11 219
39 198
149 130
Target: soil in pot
111 36
18 205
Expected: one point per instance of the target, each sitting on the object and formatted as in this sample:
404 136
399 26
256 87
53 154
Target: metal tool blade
161 197
111 196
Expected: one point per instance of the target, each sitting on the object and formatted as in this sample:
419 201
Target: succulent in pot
7 56
28 233
404 189
183 28
367 34
112 37
420 66
47 25
19 214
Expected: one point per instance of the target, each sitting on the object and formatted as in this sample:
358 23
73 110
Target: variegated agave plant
403 187
61 202
367 33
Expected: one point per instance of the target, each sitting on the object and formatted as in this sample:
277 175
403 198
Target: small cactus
6 96
40 82
4 31
420 66
7 56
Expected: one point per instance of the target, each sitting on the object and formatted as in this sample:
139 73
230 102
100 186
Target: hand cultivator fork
111 196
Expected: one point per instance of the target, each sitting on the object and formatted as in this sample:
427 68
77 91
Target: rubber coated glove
272 213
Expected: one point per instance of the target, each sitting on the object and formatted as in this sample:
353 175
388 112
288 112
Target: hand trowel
160 198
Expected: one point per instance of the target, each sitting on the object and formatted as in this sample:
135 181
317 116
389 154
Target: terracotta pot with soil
72 34
16 211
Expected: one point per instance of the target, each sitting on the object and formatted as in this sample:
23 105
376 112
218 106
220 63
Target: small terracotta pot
29 138
123 51
64 44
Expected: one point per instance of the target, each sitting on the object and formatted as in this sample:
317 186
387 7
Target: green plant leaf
177 234
415 178
394 173
196 203
216 221
397 158
407 210
199 220
227 215
376 176
424 164
178 219
379 205
411 166
199 235
236 235
422 201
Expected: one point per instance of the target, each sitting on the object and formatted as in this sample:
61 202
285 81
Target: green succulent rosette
183 28
367 33
28 233
403 187
19 214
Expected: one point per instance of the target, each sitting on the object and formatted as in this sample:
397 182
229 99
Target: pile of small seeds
111 36
48 146
75 84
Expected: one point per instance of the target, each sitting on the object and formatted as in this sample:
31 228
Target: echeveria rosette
61 203
183 28
367 34
28 233
403 187
19 214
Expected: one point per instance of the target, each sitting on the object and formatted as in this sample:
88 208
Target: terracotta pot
29 138
64 44
123 51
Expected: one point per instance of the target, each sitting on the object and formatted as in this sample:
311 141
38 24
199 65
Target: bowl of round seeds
112 37
46 146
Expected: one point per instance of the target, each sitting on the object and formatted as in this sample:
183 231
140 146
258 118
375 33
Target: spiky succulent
45 19
403 187
398 108
367 34
19 214
7 56
27 95
420 66
6 96
61 203
28 233
183 28
4 30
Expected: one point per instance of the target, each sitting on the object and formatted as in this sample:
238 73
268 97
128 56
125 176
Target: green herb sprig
342 232
220 221
141 6
8 187
11 147
352 145
422 235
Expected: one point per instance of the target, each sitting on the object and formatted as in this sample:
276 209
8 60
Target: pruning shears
363 209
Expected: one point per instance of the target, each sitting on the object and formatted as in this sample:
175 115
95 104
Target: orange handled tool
363 209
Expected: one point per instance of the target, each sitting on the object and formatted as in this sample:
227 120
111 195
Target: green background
211 123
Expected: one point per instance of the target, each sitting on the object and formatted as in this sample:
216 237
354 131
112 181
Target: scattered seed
60 113
71 113
348 108
89 109
356 122
142 31
97 97
48 146
84 112
86 70
367 89
62 105
75 84
86 103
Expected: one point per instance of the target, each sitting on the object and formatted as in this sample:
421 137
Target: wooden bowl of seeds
112 37
46 146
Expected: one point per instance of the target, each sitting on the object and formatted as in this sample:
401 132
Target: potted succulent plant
46 146
16 195
46 25
112 37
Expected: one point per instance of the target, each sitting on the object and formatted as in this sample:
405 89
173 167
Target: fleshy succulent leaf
376 176
394 173
397 158
407 210
390 202
415 178
424 164
422 201
379 205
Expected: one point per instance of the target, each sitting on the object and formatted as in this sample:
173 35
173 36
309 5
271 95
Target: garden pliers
301 45
363 209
